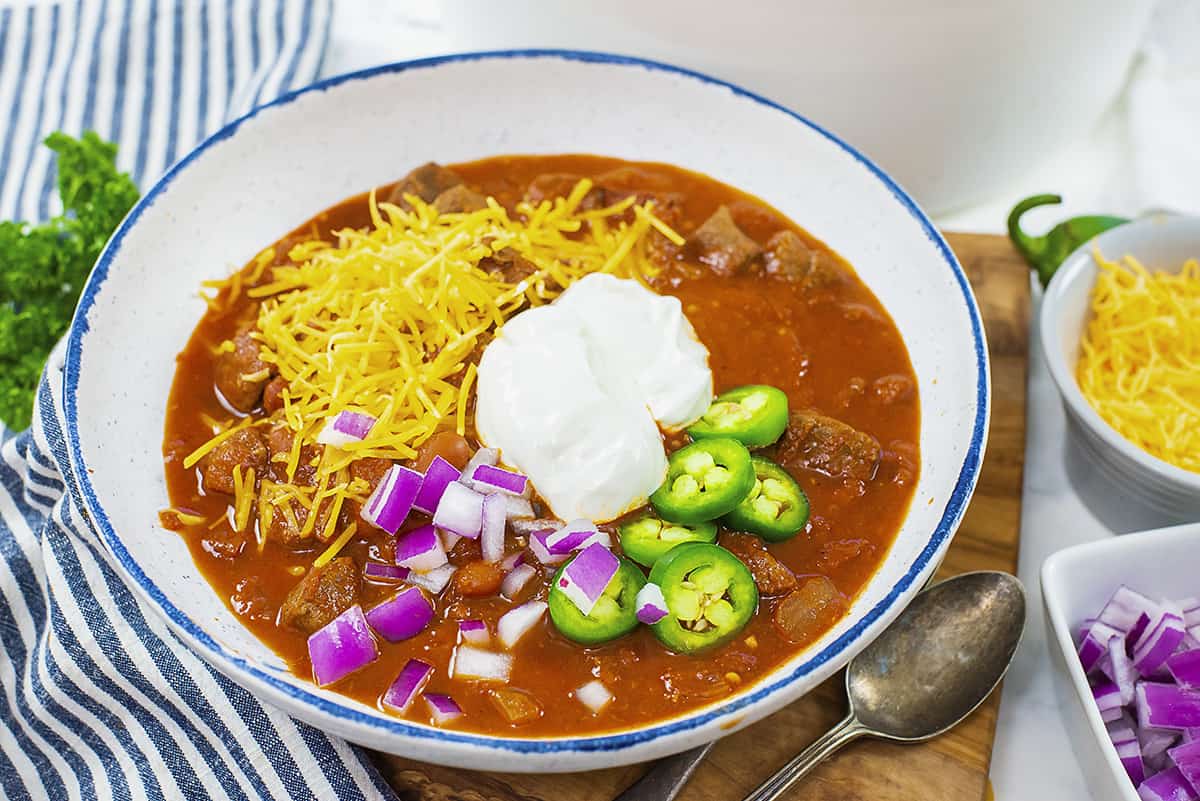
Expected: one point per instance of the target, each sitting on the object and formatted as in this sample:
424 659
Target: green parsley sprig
43 267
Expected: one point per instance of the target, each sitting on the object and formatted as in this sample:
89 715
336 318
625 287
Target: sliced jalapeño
647 538
705 480
755 415
775 509
710 597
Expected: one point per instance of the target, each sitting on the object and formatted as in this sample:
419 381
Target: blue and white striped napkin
97 698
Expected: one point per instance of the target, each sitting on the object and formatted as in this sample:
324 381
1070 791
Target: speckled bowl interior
264 174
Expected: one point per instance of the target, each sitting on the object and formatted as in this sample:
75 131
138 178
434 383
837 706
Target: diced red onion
474 632
442 708
435 580
489 478
477 664
516 580
1184 667
537 544
1147 645
651 606
512 560
1119 667
1165 706
488 456
1124 608
584 580
460 510
341 647
1137 629
1131 759
1155 741
1095 644
1187 758
516 622
381 571
1167 785
449 539
439 475
392 500
1161 639
404 615
517 508
491 539
1108 700
344 428
575 536
594 695
404 690
1191 610
420 549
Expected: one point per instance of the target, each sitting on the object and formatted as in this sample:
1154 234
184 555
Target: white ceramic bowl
1159 242
1076 582
255 180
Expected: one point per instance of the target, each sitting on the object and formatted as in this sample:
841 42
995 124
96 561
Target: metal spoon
931 668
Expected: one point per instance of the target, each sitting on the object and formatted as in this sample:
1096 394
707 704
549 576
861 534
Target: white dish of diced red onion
1125 615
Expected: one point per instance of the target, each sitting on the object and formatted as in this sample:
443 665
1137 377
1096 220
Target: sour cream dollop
573 394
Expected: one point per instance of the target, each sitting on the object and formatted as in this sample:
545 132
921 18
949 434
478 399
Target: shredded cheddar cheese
390 320
1139 365
335 547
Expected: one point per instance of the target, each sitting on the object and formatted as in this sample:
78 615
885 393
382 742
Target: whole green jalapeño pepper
614 614
1046 253
647 538
710 596
705 480
755 415
775 509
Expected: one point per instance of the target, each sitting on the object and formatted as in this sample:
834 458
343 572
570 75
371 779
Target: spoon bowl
940 659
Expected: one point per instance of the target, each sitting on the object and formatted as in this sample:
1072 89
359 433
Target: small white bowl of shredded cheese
1120 325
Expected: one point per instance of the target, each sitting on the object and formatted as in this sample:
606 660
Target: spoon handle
849 729
667 777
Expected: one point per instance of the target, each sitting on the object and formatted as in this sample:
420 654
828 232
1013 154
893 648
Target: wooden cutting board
953 767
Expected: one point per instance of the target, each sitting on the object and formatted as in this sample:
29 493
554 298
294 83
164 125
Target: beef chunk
787 256
288 518
771 575
240 373
322 595
559 184
828 446
272 399
426 182
279 444
723 246
459 199
510 266
809 610
370 469
244 448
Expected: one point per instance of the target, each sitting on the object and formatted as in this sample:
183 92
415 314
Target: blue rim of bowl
952 514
